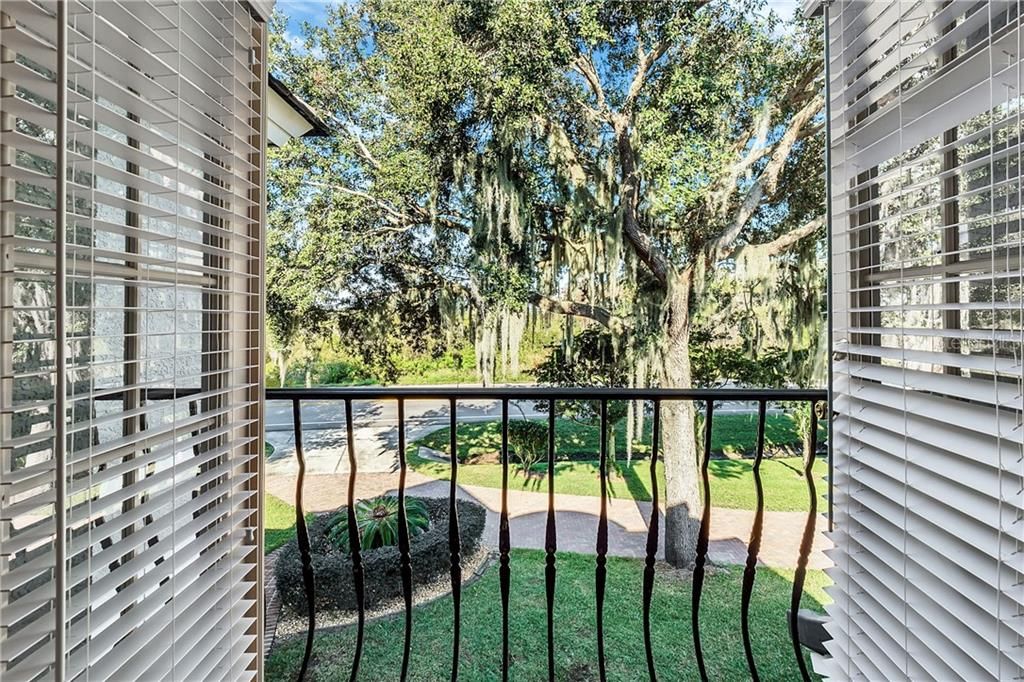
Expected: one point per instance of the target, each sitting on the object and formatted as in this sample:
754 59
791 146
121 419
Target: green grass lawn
732 434
278 522
732 480
575 639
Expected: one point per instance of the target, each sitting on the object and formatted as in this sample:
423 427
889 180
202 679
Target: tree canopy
578 156
648 166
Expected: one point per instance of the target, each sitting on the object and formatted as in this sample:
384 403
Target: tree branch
396 215
770 175
630 203
785 241
753 139
600 315
767 182
646 60
758 135
361 147
399 219
584 65
364 151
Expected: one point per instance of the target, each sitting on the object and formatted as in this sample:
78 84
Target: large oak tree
601 160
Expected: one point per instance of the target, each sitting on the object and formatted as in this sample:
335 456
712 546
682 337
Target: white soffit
264 8
284 122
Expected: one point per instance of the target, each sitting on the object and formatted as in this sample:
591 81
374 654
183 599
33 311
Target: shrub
377 519
341 372
527 440
332 567
800 413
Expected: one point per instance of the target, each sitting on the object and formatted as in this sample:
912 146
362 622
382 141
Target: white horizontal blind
28 347
148 363
928 316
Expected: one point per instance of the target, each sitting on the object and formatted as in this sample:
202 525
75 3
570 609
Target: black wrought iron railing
706 401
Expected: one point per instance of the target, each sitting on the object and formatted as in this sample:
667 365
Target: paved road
375 427
326 414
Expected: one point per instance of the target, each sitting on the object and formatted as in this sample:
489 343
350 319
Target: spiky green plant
377 520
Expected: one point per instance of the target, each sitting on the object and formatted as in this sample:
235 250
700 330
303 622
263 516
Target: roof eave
813 8
317 127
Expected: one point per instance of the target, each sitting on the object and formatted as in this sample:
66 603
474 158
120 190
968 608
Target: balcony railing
705 400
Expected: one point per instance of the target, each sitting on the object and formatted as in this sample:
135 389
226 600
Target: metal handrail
709 397
546 393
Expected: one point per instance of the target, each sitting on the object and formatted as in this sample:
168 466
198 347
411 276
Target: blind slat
163 175
928 320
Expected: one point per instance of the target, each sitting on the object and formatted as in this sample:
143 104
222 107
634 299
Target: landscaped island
577 472
378 522
733 435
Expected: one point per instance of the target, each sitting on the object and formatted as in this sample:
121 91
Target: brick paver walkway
576 518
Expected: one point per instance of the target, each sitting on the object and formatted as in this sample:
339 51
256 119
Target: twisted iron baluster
504 543
550 543
454 541
754 546
652 541
403 541
601 573
805 543
702 543
353 542
302 537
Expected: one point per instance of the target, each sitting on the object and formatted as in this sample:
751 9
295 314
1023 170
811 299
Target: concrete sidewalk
576 518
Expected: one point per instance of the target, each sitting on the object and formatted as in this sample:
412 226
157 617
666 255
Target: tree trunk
610 429
282 368
807 435
629 432
683 506
638 413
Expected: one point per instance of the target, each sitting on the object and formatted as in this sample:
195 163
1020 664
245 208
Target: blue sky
298 11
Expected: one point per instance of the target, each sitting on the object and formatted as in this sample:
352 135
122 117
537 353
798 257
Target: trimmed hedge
332 567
